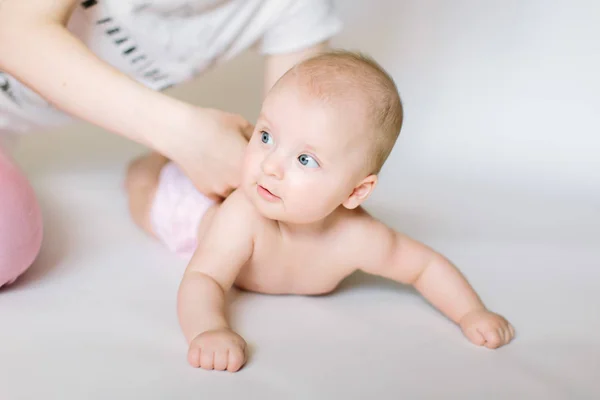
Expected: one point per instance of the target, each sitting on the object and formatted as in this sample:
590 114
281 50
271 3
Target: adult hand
209 147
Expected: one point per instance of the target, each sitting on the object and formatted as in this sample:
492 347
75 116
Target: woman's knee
20 222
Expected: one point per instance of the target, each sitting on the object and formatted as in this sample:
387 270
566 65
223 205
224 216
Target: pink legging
20 221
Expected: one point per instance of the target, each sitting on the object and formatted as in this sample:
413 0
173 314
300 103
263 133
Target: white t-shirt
161 43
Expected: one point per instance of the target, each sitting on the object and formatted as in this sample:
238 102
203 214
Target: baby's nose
272 166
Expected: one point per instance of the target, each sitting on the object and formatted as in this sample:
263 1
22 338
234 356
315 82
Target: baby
295 225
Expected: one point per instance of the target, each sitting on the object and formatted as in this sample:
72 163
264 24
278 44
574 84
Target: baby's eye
308 161
266 138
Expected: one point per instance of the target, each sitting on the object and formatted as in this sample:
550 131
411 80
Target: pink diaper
177 211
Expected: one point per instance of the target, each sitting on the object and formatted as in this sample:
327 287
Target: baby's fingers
503 333
221 360
207 359
194 356
509 333
493 339
475 336
236 359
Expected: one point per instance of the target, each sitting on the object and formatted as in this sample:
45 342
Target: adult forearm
46 57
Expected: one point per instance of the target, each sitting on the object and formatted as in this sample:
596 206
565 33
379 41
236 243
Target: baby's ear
361 192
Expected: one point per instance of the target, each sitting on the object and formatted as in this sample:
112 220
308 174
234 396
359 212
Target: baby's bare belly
281 277
262 283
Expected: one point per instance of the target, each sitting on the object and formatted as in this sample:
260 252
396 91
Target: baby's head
324 132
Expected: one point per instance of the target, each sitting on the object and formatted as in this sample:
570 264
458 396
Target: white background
497 167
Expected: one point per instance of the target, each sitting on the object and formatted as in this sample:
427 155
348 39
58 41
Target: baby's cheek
310 205
250 165
248 159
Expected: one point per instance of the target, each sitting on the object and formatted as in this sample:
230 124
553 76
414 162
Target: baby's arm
223 251
398 257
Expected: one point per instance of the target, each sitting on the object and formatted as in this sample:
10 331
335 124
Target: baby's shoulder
357 230
365 239
238 209
359 222
237 202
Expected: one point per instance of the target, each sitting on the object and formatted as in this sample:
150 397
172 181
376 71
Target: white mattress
95 317
497 168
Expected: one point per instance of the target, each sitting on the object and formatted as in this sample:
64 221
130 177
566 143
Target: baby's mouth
266 193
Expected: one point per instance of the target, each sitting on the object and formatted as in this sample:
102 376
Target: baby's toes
493 339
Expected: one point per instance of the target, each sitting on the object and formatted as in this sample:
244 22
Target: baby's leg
165 203
20 222
141 182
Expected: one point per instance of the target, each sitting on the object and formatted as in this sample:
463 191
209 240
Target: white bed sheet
497 167
95 317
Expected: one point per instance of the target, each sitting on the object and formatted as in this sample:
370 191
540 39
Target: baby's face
304 158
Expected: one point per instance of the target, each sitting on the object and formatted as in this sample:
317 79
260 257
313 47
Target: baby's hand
220 349
484 328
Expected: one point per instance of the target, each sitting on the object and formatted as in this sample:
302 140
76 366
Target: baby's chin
286 216
271 211
266 210
279 210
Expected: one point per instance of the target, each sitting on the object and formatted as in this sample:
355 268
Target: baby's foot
485 328
220 349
